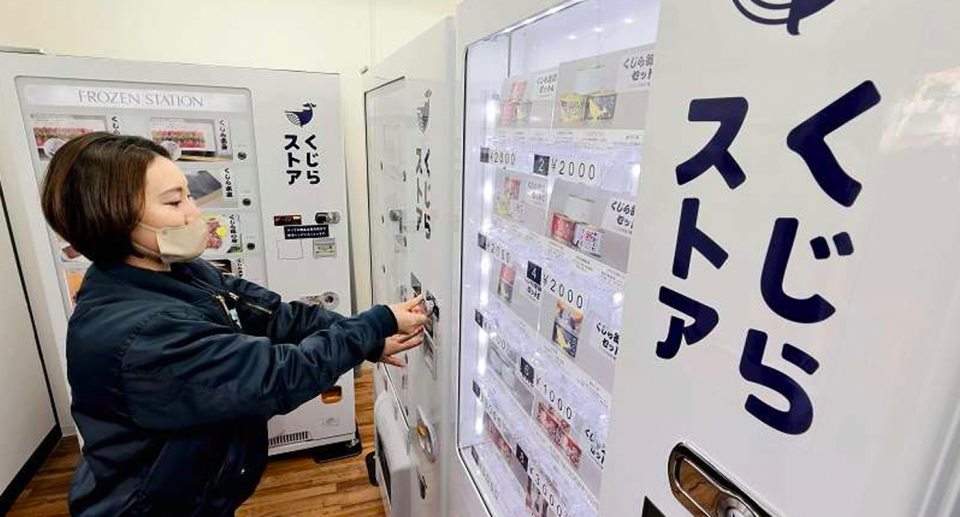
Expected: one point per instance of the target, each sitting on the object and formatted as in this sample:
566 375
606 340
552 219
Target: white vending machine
413 229
263 154
763 251
555 101
790 345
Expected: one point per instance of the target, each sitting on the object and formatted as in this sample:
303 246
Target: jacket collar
170 284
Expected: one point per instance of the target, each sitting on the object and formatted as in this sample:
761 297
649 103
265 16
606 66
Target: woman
175 368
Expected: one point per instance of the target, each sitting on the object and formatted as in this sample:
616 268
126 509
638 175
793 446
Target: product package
562 228
505 287
588 239
601 106
573 108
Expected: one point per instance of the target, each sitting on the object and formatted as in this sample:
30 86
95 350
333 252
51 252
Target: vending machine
413 229
790 346
263 154
555 99
737 300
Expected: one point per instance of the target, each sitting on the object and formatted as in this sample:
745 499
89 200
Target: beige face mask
177 243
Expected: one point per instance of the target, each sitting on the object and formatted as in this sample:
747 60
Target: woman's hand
400 343
410 316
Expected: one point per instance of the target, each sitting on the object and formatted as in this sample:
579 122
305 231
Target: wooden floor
293 486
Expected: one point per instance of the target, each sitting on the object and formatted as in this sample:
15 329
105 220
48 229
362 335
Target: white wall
339 36
25 412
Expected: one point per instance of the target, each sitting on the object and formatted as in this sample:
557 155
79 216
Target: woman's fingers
411 342
412 303
403 338
392 361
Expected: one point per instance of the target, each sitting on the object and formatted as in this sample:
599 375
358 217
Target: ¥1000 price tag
586 172
619 216
563 407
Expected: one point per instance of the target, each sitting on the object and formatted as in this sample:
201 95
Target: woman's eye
173 203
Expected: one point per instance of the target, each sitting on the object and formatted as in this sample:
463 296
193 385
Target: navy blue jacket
172 392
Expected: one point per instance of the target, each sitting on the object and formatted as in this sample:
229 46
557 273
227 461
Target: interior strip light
536 17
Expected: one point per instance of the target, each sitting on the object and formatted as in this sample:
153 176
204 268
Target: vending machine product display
553 155
413 227
264 164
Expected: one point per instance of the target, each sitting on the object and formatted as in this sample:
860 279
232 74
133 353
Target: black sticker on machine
307 231
534 273
649 510
526 369
287 220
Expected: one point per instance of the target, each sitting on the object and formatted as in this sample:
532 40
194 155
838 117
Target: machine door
790 345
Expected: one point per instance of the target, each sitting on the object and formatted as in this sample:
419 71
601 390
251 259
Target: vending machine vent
287 439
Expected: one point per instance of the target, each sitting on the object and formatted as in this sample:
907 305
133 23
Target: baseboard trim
30 469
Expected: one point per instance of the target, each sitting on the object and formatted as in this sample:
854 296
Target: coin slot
704 491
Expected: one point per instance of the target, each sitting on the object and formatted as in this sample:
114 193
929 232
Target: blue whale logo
788 13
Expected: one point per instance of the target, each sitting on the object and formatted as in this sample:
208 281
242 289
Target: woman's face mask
165 232
177 243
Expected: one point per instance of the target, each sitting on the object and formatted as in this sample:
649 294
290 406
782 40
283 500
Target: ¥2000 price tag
564 291
586 172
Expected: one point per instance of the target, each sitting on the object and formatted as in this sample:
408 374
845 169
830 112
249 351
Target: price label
500 343
547 493
586 172
556 401
609 339
636 69
564 291
498 156
499 252
619 215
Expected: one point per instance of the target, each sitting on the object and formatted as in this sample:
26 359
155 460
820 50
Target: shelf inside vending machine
553 156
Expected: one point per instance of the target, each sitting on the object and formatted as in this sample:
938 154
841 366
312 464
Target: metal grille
287 439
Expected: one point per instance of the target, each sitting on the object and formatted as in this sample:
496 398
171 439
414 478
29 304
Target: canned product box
562 228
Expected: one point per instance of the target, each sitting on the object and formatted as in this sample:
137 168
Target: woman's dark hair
92 194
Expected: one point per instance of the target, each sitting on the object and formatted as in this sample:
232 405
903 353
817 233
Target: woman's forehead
163 175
